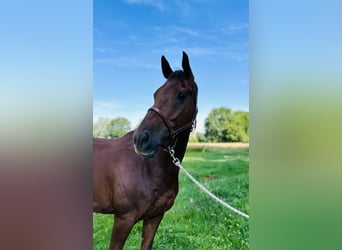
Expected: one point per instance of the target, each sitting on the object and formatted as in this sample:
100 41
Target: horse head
173 112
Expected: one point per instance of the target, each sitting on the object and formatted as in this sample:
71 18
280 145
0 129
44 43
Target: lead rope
176 161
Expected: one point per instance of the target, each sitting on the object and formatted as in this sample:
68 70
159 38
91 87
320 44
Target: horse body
134 177
136 186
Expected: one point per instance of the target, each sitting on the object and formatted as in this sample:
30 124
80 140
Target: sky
130 36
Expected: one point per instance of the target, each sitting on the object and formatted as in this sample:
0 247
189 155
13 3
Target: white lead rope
204 189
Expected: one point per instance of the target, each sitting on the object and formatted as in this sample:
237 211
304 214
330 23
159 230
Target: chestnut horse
134 176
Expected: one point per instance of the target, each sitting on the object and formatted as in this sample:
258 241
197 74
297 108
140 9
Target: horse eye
181 95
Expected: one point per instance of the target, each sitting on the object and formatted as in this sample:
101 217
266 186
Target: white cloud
238 26
105 109
98 32
190 32
126 62
155 3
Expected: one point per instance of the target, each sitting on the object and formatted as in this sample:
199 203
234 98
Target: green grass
196 221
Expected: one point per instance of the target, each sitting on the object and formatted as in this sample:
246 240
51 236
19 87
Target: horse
134 176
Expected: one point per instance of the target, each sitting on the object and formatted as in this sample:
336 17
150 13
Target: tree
201 137
234 133
100 128
118 127
217 120
107 128
238 130
223 125
241 119
231 133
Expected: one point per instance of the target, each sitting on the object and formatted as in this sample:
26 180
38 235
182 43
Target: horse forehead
178 83
168 87
173 84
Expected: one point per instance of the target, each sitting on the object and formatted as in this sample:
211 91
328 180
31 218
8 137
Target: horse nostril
144 139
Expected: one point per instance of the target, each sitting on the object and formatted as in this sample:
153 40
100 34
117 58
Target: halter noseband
174 133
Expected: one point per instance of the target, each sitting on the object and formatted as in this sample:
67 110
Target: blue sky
130 36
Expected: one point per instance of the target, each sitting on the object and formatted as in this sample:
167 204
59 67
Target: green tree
234 133
231 133
216 122
241 119
223 125
106 128
201 137
238 130
118 127
100 128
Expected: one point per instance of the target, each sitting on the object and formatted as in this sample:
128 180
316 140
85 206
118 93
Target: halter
174 133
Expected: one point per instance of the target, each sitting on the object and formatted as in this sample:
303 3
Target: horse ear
186 67
167 71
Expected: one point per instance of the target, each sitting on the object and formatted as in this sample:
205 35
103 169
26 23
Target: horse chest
161 203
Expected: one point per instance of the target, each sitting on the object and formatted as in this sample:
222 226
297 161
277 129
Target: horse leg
121 229
150 227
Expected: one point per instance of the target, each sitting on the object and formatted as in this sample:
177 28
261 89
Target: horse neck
181 145
180 149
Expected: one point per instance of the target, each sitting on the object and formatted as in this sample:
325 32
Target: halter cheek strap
174 133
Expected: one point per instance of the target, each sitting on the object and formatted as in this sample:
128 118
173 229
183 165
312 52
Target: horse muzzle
144 144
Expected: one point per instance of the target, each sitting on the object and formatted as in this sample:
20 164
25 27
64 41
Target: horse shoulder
163 194
108 172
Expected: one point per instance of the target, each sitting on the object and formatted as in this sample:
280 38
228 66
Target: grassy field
196 221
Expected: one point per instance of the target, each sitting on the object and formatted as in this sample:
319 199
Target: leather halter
174 133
